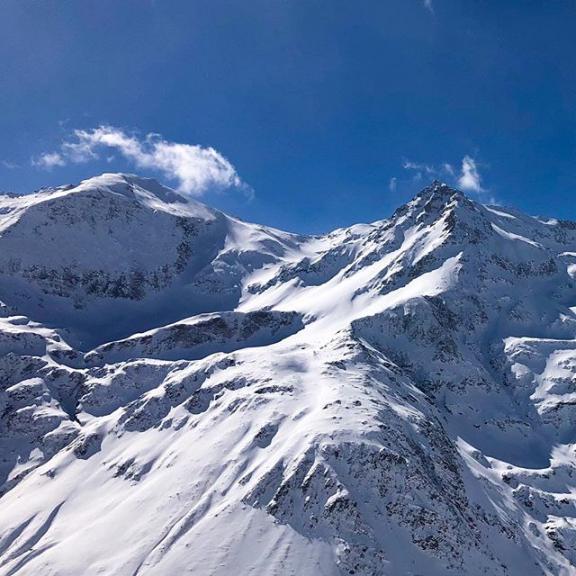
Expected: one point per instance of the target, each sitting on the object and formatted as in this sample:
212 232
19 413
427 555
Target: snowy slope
124 247
182 392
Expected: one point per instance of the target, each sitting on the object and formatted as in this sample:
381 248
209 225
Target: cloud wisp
469 179
49 160
465 176
195 169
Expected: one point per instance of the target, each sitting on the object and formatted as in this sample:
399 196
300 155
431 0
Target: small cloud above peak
469 179
466 177
195 169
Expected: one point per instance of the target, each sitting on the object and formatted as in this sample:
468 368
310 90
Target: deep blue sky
317 103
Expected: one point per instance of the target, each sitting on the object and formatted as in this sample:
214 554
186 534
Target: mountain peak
439 191
432 201
128 189
133 186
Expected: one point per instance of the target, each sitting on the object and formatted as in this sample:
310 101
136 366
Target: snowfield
182 392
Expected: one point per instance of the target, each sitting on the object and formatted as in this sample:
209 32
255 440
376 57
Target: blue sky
320 113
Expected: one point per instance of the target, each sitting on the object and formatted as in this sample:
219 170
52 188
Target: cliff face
182 391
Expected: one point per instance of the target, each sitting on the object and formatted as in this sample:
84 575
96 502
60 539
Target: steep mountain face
183 392
124 247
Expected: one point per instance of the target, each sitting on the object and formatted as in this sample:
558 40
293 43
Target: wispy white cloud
393 184
448 168
9 165
469 179
194 168
429 6
419 167
49 160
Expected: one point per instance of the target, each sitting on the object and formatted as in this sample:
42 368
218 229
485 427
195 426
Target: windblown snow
182 392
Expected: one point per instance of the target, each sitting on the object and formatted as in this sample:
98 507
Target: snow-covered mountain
185 393
125 248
